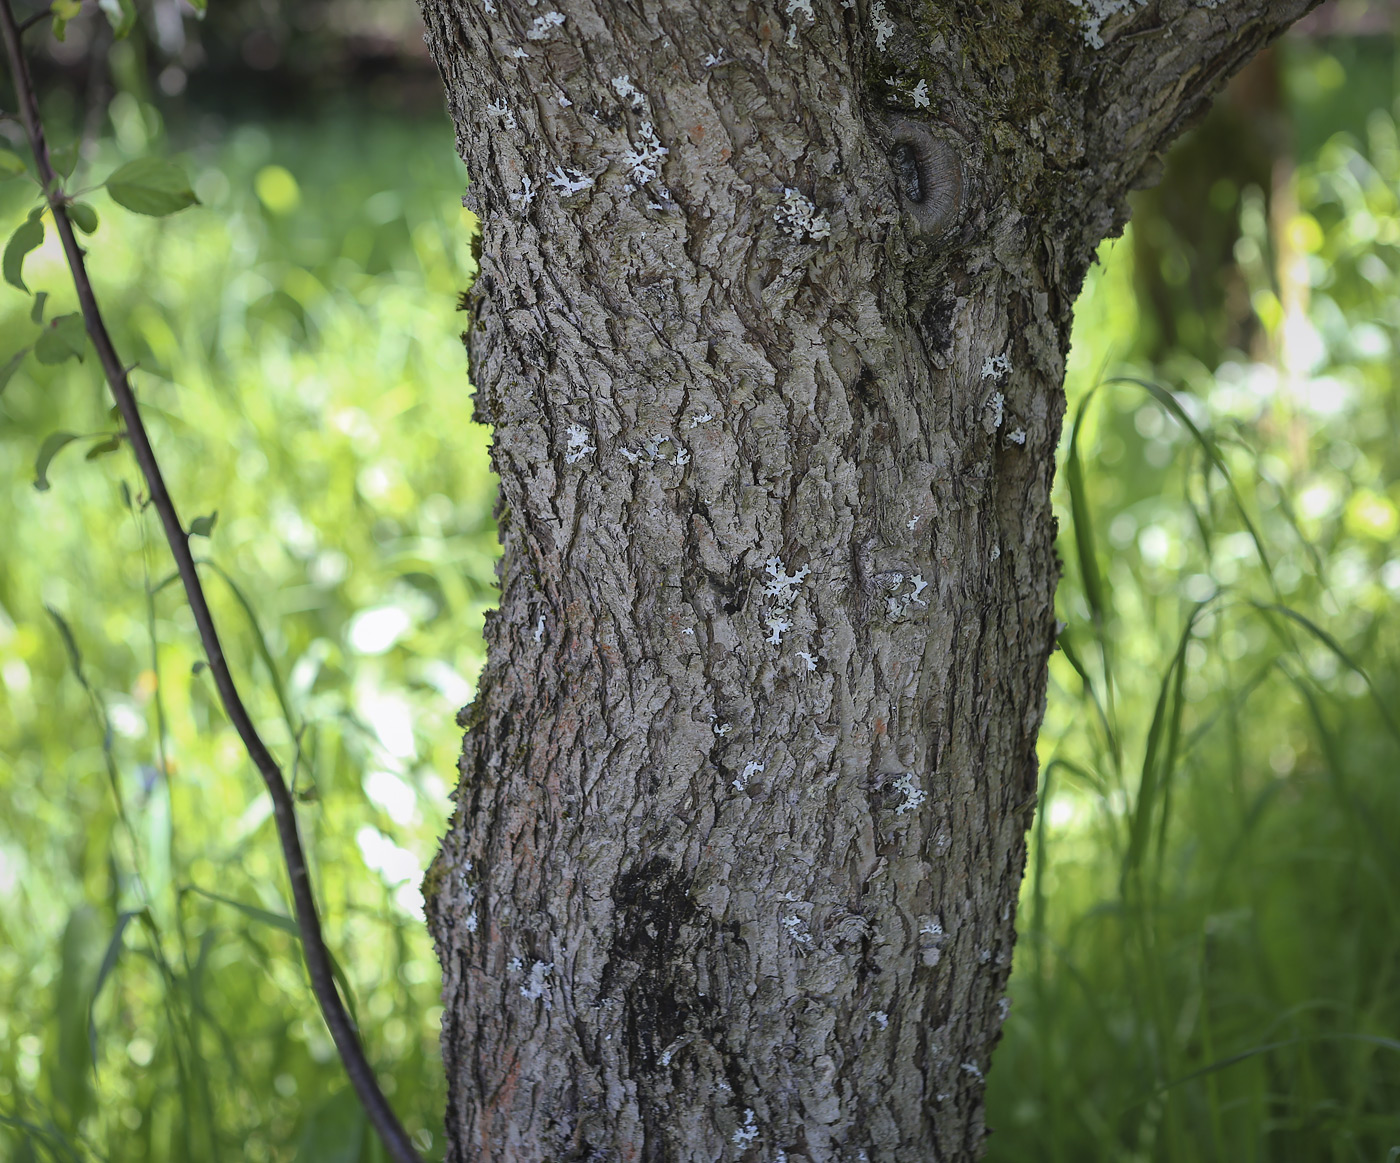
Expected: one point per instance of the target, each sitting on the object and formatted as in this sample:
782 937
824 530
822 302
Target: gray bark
744 793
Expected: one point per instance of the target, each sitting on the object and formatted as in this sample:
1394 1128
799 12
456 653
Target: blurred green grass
1208 960
299 368
1209 957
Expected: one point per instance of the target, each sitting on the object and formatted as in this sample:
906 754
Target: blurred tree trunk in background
1195 297
770 325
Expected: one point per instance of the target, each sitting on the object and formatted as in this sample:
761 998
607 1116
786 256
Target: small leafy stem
318 959
42 15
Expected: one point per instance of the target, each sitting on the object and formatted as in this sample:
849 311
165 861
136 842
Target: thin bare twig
318 961
38 17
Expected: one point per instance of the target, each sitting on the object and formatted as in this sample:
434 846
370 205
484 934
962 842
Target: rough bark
744 792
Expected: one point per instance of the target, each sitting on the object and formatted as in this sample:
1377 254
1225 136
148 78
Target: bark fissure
770 326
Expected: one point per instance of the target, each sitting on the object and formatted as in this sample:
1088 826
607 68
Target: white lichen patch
898 605
643 160
714 60
1096 14
931 938
539 629
799 217
526 194
997 406
908 786
702 418
881 24
537 987
578 444
808 659
543 25
654 451
973 1069
569 182
798 8
628 92
797 929
1017 436
745 1135
995 365
1003 1009
469 894
781 585
502 112
778 626
916 93
563 99
751 769
670 1051
880 1018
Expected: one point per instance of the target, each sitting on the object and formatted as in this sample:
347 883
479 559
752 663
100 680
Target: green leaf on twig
64 338
83 216
203 526
121 15
36 312
11 165
27 236
151 186
64 159
52 446
10 366
63 11
103 447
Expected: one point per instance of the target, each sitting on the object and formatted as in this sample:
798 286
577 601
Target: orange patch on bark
696 133
879 726
499 1103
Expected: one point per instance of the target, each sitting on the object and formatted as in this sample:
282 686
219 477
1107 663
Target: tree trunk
770 324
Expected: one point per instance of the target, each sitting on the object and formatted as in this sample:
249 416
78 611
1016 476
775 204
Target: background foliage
1209 954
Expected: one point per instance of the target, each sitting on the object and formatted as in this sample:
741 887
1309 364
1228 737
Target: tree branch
318 962
43 14
1159 67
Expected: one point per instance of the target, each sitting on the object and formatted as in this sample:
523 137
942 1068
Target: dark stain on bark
654 905
648 970
937 324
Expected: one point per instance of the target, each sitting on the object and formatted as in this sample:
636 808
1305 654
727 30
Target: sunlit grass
1209 960
299 368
